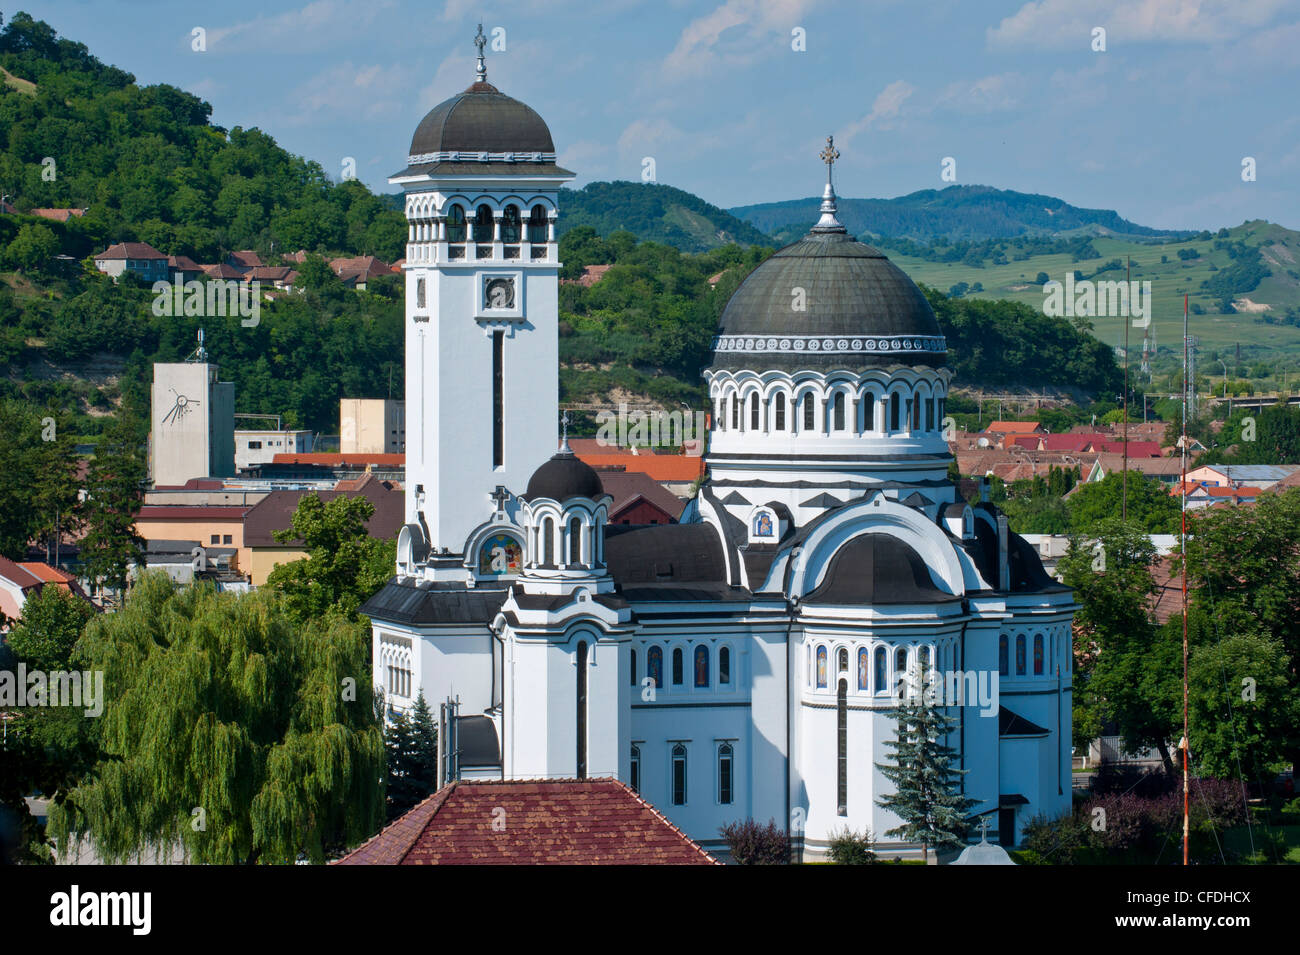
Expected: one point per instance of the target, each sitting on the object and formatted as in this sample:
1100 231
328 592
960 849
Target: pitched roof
1013 427
628 487
244 259
678 468
184 512
275 511
222 271
591 274
130 250
183 263
366 265
18 575
531 822
58 215
334 459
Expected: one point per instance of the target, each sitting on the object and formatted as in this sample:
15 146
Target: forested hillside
955 212
656 213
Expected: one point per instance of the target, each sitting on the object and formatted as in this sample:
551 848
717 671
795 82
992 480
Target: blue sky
1156 126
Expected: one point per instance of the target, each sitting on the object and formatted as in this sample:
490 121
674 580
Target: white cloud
1063 24
735 34
363 92
887 105
985 95
319 25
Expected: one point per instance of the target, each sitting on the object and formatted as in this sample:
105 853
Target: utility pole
1123 506
1183 491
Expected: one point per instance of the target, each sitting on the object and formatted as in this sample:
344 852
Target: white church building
742 663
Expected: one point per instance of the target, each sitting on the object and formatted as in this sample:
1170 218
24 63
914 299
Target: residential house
639 499
58 215
139 258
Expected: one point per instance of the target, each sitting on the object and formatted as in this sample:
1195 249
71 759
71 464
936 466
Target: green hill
656 213
955 212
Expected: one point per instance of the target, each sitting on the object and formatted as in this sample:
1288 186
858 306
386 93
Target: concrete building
372 426
138 257
253 447
193 433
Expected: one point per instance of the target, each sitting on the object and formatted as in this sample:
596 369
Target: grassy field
1170 280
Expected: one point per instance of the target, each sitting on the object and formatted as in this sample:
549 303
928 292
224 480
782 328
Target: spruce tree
114 492
925 793
398 741
423 764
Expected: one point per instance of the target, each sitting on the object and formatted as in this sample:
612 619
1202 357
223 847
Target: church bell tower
481 277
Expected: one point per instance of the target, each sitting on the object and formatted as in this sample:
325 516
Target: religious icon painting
501 556
763 526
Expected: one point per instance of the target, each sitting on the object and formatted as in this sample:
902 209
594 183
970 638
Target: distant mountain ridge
955 212
656 213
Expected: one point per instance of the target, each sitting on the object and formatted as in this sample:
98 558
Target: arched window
548 542
809 414
575 542
679 774
924 656
842 661
483 223
677 666
582 709
455 223
869 412
735 413
724 666
1003 668
780 412
635 781
842 745
895 410
838 411
929 414
914 419
537 221
1038 655
510 225
864 670
821 668
1020 655
900 662
882 667
753 412
701 666
726 784
654 666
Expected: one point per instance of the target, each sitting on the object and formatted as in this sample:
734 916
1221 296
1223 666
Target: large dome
859 311
482 119
564 476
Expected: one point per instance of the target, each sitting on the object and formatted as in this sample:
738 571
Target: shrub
753 844
850 848
1053 841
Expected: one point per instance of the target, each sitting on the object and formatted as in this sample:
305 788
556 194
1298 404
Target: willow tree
229 729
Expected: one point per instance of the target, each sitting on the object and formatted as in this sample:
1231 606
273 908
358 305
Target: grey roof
1257 472
1013 724
403 600
665 553
850 290
877 569
983 853
482 119
476 738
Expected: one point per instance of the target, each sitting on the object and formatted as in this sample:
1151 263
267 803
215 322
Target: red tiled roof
267 273
275 511
1072 442
677 468
130 250
1013 427
58 215
183 263
628 487
366 265
591 274
332 459
1136 449
531 822
244 259
222 271
18 575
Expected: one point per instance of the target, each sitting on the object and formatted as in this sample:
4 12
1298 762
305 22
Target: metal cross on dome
480 41
564 431
829 155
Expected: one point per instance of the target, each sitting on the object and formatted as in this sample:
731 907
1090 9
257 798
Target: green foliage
1150 505
412 745
1275 438
37 476
925 795
344 566
50 626
230 728
656 213
851 848
753 844
114 493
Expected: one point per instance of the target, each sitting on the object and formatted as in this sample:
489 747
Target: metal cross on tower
564 434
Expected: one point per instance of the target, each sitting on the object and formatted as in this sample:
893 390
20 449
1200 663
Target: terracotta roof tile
532 822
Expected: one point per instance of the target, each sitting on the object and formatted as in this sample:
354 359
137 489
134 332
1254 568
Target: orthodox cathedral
740 664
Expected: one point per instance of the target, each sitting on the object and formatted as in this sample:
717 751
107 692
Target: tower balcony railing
444 251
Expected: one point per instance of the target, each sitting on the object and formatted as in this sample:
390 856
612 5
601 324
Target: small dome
563 477
482 119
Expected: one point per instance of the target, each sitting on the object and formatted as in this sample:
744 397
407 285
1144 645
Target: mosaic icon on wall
500 555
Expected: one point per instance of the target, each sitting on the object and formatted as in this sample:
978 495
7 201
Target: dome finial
564 431
828 222
480 41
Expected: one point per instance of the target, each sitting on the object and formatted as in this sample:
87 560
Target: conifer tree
925 793
398 742
424 747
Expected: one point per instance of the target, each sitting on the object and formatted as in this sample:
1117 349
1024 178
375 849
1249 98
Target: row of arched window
725 779
873 674
904 408
1025 665
577 543
701 673
485 226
